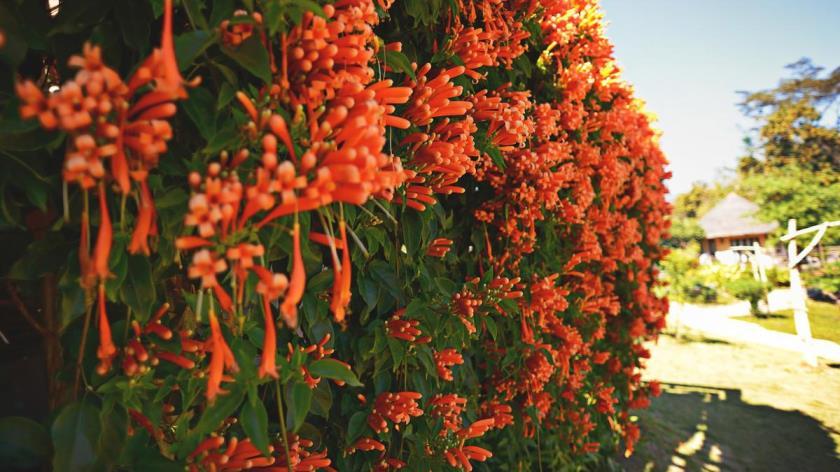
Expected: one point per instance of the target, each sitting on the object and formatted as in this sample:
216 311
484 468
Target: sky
687 60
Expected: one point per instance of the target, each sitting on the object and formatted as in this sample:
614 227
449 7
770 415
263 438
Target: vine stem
283 425
82 343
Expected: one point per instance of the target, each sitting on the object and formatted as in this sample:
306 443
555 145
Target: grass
824 318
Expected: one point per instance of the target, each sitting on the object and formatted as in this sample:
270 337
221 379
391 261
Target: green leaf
134 19
332 369
189 46
194 11
223 406
23 442
299 400
397 351
383 273
491 327
251 55
222 10
397 61
356 425
322 400
113 423
254 421
200 109
138 291
411 229
42 257
75 433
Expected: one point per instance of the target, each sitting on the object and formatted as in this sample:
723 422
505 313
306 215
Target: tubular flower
365 445
220 360
461 456
449 407
439 247
396 407
235 34
323 54
444 360
343 278
108 121
236 455
298 281
205 266
500 413
405 330
106 350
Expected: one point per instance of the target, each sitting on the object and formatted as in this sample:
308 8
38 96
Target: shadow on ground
697 428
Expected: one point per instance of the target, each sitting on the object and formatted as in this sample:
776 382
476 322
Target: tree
795 123
793 166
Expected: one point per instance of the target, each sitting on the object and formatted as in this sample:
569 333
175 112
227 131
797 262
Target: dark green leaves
397 61
138 291
254 421
134 19
23 442
75 433
189 46
299 399
332 369
251 55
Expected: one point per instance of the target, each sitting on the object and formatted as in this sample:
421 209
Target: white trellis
800 309
756 258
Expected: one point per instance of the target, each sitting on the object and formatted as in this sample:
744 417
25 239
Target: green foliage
826 278
749 289
685 277
811 197
684 231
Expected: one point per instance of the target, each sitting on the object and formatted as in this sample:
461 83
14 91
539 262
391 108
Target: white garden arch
800 309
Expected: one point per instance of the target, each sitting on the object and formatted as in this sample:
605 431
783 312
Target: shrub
748 289
826 278
778 276
353 236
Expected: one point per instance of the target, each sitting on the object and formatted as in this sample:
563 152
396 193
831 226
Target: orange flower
206 265
444 360
145 221
106 350
439 247
171 80
269 354
221 359
297 284
102 251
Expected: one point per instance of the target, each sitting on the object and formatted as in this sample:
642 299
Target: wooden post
800 309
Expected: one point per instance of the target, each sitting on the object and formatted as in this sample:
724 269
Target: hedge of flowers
350 235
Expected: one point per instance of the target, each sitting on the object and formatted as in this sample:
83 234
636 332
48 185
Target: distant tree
684 231
689 207
795 192
699 199
792 169
798 122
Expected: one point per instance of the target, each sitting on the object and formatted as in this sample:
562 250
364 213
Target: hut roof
734 216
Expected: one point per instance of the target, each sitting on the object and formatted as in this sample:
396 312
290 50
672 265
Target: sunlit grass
824 318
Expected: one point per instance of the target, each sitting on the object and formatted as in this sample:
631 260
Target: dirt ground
737 407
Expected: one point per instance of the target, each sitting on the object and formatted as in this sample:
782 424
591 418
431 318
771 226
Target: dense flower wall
365 235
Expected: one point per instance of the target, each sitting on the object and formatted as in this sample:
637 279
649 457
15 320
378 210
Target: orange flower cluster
552 185
439 247
405 330
397 407
444 360
119 122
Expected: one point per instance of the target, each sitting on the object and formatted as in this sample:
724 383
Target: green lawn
824 318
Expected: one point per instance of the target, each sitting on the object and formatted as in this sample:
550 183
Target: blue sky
687 59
